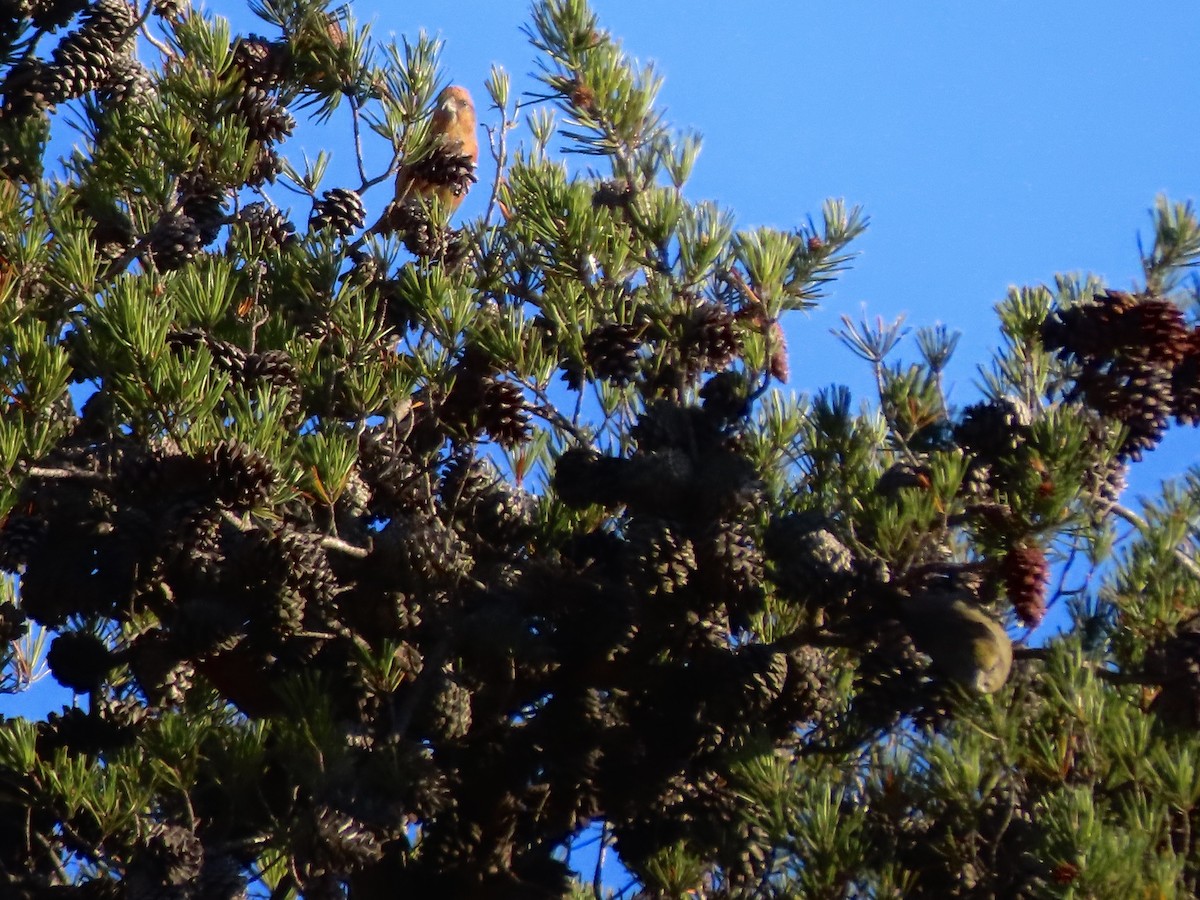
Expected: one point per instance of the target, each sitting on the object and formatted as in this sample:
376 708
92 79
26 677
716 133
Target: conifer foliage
393 565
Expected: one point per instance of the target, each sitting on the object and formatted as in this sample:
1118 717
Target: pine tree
396 564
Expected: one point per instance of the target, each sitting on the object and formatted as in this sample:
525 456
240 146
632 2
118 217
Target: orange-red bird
445 172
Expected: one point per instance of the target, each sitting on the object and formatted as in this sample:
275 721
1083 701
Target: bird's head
455 103
454 122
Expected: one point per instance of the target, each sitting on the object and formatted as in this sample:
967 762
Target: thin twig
155 42
549 412
53 854
499 150
341 546
67 473
327 542
597 880
358 148
243 527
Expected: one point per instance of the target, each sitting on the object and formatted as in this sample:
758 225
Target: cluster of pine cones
1136 363
445 595
96 56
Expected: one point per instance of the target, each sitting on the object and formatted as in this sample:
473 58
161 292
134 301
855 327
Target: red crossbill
442 175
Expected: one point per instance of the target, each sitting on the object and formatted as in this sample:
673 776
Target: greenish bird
964 643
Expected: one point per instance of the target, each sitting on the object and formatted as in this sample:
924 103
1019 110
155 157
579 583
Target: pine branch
1181 556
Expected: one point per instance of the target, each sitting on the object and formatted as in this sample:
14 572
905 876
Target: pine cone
13 624
993 430
262 62
19 535
890 682
82 733
227 357
1107 484
221 878
202 199
196 552
613 195
127 712
778 364
266 226
726 397
666 425
612 353
450 710
340 210
666 560
79 661
1185 383
810 691
734 556
275 368
81 63
169 858
170 9
1090 332
1025 573
421 555
1138 395
757 678
241 477
285 616
174 241
1157 332
111 21
1105 480
112 232
335 843
709 340
809 560
208 625
127 80
731 563
323 887
160 669
265 119
1129 349
27 89
142 474
428 241
482 503
583 477
266 168
61 577
390 470
444 169
504 414
50 15
83 59
306 566
271 367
